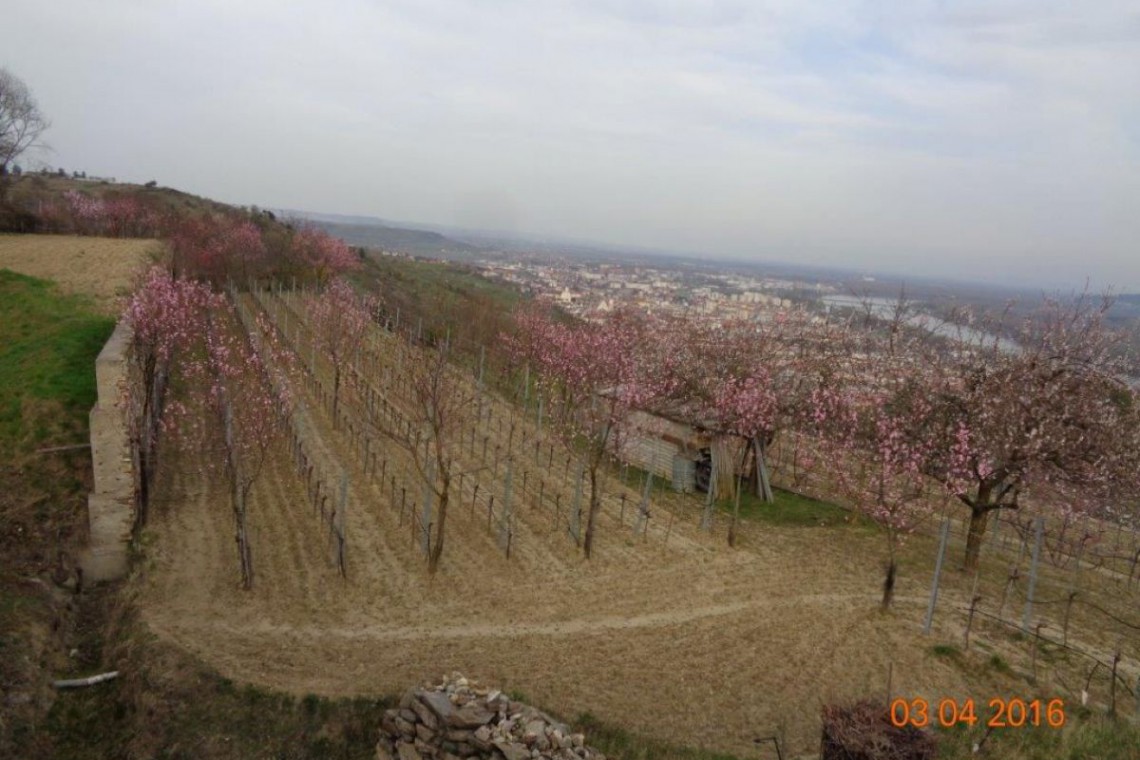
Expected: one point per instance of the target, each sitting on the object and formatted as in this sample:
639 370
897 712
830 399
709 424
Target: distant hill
371 232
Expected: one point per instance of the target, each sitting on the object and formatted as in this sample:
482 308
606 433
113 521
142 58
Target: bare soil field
103 268
669 633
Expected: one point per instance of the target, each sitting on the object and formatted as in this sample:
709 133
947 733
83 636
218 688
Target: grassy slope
48 344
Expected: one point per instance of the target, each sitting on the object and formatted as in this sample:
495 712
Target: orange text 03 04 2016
999 712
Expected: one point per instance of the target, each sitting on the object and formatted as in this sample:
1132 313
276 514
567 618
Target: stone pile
459 719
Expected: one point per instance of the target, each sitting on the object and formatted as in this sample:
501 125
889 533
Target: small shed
688 456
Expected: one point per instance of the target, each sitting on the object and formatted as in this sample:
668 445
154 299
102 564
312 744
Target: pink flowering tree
746 379
167 318
216 248
314 251
1044 413
88 214
251 409
747 406
880 444
114 215
339 319
593 376
187 337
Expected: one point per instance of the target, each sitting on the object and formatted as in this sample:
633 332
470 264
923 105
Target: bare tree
339 319
21 122
428 420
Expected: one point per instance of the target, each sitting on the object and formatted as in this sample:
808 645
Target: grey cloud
919 137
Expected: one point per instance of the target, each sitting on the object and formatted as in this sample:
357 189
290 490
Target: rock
458 720
513 751
533 730
438 703
481 739
407 752
424 713
457 735
471 715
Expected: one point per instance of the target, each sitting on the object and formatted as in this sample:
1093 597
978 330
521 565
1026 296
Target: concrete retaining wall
110 507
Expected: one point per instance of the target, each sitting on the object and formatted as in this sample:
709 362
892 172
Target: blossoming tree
594 378
339 319
1044 412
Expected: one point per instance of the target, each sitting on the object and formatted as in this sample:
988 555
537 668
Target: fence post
707 515
340 516
937 575
1040 532
642 523
576 509
505 519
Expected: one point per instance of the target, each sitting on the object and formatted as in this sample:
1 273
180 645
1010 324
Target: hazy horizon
996 142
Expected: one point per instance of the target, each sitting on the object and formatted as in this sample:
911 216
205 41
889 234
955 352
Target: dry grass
101 268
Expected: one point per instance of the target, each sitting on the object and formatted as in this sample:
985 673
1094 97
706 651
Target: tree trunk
736 499
440 521
245 553
763 480
591 517
889 584
725 475
735 517
979 518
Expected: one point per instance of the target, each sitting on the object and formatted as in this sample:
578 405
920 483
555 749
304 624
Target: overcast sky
987 140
